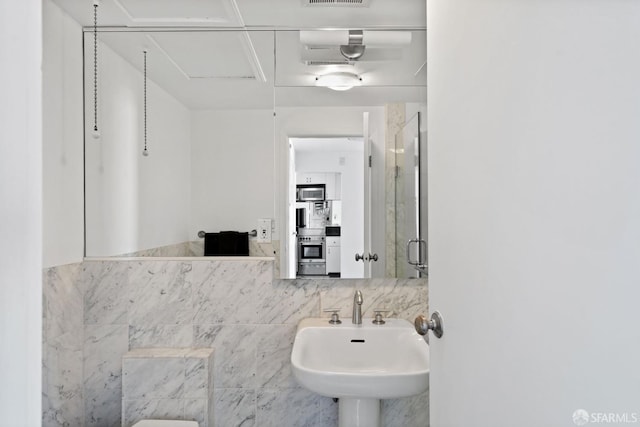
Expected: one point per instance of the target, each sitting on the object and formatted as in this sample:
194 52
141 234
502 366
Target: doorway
336 165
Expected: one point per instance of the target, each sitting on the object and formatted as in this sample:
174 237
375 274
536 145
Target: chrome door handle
366 257
434 324
419 264
422 244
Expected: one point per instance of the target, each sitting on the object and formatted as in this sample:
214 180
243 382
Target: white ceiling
313 145
249 13
226 58
202 69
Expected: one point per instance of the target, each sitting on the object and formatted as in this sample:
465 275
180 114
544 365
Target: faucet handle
335 316
378 316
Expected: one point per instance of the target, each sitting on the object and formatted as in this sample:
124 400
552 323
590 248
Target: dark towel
226 243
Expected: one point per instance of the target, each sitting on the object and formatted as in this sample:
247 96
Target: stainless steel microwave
311 193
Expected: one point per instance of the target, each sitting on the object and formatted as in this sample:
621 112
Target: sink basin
365 361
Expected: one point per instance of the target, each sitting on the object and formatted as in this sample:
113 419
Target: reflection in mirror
222 112
210 131
393 89
410 200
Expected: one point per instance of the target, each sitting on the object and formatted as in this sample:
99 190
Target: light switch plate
264 230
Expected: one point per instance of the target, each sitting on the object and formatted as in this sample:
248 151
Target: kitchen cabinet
333 186
333 254
311 178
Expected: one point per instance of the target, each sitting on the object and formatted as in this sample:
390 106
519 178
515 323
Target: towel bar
252 233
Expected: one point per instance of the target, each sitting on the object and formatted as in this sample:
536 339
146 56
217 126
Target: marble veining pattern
271 249
168 383
160 336
235 358
105 300
200 410
195 248
233 306
397 296
273 357
218 299
184 249
408 412
288 301
308 408
103 349
395 118
196 378
159 292
153 378
235 407
62 347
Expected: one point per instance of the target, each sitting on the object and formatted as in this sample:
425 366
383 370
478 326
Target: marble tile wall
184 249
62 347
196 249
234 306
395 115
170 383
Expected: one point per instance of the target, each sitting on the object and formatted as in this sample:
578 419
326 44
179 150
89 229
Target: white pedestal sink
360 364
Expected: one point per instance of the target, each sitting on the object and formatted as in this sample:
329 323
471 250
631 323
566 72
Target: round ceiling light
338 81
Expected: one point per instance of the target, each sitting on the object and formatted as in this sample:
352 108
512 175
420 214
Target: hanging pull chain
95 133
145 152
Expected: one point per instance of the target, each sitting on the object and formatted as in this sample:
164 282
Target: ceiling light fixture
355 49
370 38
352 52
339 81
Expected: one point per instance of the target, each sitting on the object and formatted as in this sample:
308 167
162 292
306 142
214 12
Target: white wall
63 190
20 212
352 179
134 202
232 170
332 122
534 137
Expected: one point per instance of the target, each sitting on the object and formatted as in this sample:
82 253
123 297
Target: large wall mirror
236 123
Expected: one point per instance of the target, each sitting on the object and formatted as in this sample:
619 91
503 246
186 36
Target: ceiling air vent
328 62
331 3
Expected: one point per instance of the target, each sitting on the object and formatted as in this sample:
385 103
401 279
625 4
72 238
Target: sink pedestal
360 364
358 412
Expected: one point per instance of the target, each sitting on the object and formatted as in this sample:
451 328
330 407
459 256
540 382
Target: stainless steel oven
311 254
311 248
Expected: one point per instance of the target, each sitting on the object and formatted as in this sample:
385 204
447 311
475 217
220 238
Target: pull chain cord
95 133
145 152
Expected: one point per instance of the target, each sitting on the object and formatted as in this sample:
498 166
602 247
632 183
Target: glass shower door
410 206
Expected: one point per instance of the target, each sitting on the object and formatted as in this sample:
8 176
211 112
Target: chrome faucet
356 318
